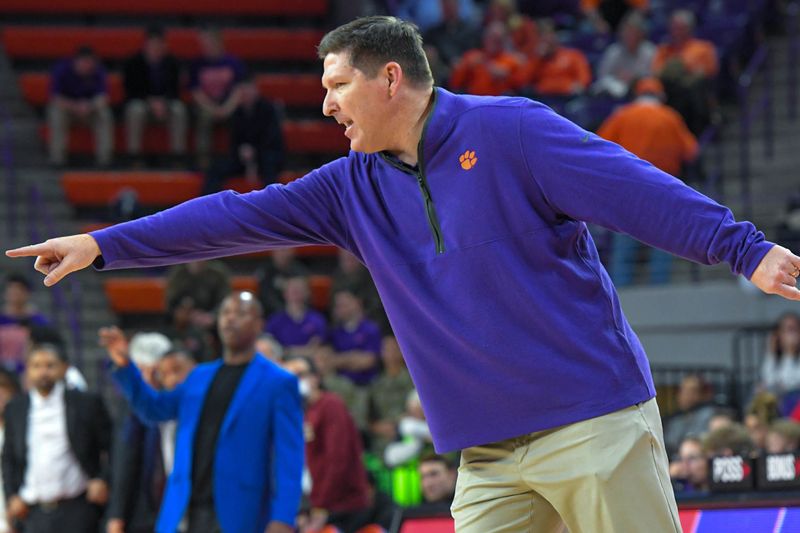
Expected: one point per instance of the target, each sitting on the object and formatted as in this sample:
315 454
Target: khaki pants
603 475
137 113
102 122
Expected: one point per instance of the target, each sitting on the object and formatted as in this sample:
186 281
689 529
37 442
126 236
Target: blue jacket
259 457
507 319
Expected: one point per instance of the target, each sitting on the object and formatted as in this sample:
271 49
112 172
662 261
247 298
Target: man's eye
340 85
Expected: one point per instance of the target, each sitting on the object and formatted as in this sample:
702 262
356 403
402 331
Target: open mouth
348 126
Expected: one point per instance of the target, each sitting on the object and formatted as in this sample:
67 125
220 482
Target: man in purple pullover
469 213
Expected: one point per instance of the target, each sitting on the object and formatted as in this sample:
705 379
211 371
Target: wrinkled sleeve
306 211
584 177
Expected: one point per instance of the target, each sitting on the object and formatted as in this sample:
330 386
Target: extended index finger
32 250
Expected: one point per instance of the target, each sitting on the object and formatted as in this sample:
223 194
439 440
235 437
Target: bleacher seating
153 188
301 137
297 90
26 42
306 8
145 295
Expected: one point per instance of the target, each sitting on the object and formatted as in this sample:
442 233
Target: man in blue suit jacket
239 447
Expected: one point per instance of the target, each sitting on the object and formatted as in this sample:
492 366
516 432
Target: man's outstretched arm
587 178
306 211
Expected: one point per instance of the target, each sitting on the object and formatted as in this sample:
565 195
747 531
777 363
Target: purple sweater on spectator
290 333
216 77
65 82
507 319
365 337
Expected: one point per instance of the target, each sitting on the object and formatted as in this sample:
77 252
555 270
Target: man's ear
393 74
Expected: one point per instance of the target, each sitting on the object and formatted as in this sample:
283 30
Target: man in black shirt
256 149
239 446
151 80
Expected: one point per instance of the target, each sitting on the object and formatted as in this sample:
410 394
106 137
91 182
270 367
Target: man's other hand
777 273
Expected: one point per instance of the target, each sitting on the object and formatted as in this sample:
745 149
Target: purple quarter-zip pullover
507 319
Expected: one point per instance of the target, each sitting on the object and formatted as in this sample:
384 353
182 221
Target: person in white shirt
55 453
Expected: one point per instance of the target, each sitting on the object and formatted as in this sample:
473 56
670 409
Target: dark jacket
88 431
142 82
138 474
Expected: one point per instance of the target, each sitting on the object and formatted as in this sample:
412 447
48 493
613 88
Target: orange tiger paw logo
468 159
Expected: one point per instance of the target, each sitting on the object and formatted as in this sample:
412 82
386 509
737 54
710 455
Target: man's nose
329 106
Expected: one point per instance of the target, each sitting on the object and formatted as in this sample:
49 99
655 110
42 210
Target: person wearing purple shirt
79 92
214 79
470 213
298 328
355 339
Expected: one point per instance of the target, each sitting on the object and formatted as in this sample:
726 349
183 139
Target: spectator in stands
339 490
627 60
205 282
270 348
555 70
499 11
432 14
689 94
694 412
272 276
9 388
651 130
355 339
454 35
387 395
79 92
729 440
138 466
697 55
152 91
761 413
606 15
489 70
783 436
17 305
214 81
438 481
351 274
414 435
183 332
689 473
55 451
780 369
722 417
298 328
656 133
524 35
17 316
256 148
240 407
355 398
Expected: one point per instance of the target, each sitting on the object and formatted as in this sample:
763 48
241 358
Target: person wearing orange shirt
698 56
554 70
488 71
656 133
651 130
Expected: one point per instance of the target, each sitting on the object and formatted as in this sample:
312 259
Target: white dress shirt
53 471
3 520
168 430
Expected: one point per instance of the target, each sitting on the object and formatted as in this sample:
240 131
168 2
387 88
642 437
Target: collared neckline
57 393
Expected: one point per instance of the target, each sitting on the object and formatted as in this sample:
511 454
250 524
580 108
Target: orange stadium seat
300 90
302 137
86 189
307 8
28 42
145 295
